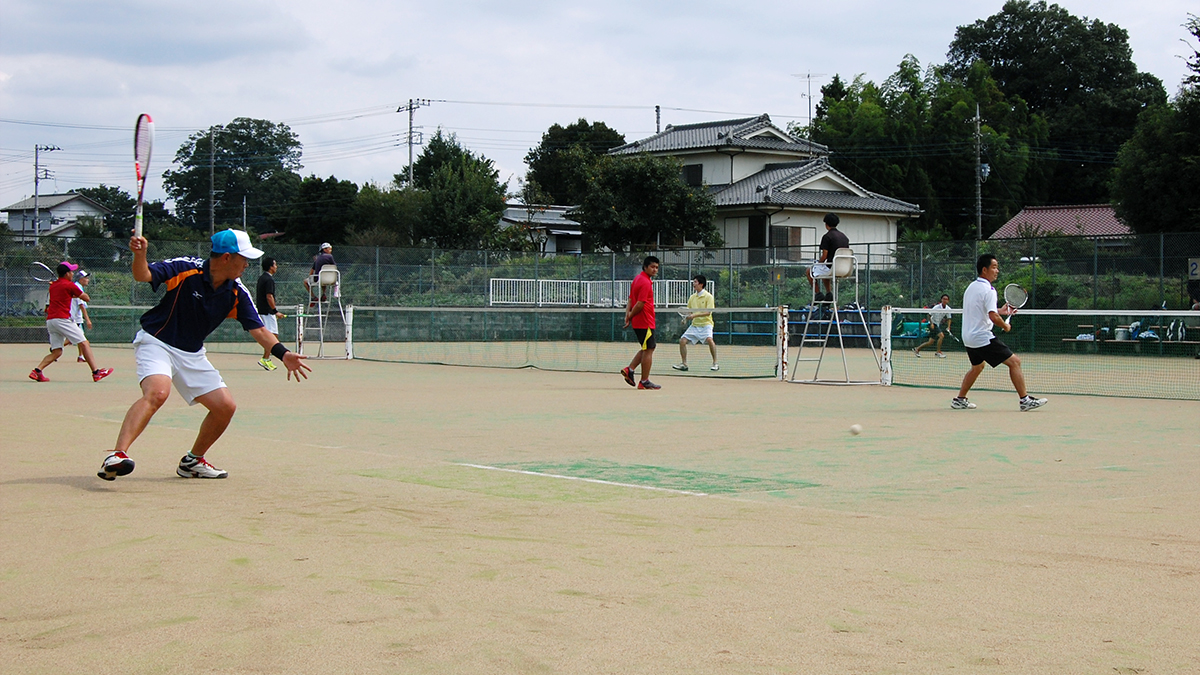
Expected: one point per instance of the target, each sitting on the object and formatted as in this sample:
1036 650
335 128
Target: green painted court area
659 477
389 517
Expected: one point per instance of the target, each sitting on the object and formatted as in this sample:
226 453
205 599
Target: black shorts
934 330
995 353
645 338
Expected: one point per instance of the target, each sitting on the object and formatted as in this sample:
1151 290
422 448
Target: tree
560 163
320 212
1158 169
638 202
1078 74
910 139
386 216
1193 61
248 158
464 193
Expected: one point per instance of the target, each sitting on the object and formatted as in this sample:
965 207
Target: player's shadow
86 483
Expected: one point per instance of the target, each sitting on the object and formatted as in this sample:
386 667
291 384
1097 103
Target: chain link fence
1136 272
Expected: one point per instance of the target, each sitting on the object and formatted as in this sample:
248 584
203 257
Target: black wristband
279 350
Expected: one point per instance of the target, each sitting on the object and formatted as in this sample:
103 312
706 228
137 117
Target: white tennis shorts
270 322
820 270
191 373
63 331
697 334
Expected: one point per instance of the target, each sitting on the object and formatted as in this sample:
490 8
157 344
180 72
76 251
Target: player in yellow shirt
701 329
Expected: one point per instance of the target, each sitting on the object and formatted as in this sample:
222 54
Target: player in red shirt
60 327
640 314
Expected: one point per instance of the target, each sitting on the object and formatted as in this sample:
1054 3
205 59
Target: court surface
393 518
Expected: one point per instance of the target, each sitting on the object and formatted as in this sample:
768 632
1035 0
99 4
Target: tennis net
116 325
574 339
1124 353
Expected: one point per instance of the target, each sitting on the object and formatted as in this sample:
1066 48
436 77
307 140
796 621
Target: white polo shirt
978 301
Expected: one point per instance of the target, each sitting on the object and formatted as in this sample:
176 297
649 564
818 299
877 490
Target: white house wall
718 167
861 229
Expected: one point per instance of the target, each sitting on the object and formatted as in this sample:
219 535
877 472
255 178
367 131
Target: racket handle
137 221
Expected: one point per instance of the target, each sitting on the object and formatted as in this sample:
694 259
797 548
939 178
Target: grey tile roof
52 200
771 186
723 133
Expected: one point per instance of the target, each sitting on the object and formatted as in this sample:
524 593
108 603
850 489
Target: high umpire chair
324 291
824 316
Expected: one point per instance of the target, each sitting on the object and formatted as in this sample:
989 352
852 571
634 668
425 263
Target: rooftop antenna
809 78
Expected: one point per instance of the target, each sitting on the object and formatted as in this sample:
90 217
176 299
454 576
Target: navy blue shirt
191 309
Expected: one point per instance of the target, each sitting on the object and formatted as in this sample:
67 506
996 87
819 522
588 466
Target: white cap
235 241
325 246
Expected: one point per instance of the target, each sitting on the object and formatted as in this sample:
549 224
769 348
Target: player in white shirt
939 326
979 316
79 313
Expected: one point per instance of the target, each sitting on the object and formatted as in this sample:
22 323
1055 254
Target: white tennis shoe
715 367
960 403
198 467
116 464
1029 403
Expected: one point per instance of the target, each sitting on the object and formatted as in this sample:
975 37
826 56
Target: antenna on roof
809 77
657 119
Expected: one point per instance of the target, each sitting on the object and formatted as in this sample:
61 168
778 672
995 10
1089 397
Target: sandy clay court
391 518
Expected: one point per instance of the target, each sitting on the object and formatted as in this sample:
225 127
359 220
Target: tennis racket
39 272
143 144
1015 296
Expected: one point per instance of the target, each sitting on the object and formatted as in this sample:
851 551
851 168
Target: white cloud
197 64
150 34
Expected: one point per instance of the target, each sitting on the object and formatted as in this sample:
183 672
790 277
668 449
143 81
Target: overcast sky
76 73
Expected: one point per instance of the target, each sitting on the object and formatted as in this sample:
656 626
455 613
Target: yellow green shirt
702 300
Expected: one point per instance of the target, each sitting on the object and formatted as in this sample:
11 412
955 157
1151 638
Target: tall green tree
465 195
1158 170
561 161
387 216
639 202
1077 73
320 212
248 158
910 138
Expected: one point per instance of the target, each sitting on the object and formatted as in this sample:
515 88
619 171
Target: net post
885 345
299 329
350 333
781 343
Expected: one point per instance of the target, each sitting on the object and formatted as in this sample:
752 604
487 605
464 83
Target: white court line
586 480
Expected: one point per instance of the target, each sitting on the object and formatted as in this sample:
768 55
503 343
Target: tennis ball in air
855 429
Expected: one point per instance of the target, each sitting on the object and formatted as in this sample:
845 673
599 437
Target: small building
57 215
546 224
772 189
1095 221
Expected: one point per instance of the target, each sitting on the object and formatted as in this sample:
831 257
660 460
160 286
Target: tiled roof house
1088 220
771 188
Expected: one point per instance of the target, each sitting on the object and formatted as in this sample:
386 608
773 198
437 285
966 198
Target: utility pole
809 77
37 178
212 185
244 213
411 107
978 180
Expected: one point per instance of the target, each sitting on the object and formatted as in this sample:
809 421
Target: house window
693 175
